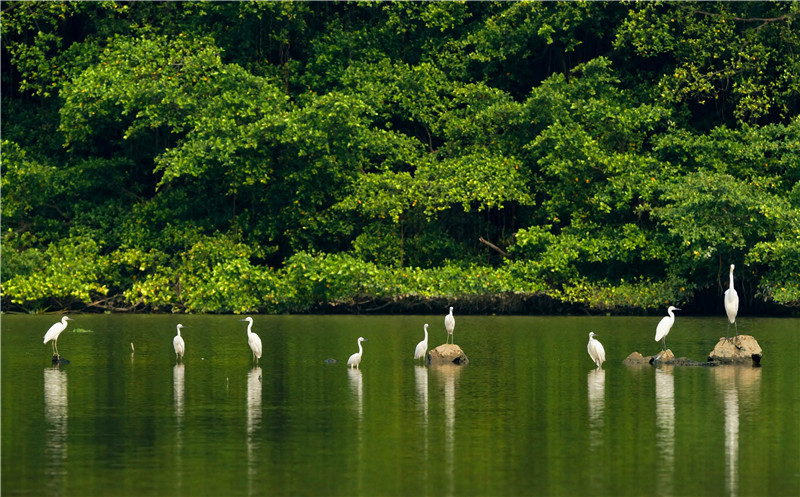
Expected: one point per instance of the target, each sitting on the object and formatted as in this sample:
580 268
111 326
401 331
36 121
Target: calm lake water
529 415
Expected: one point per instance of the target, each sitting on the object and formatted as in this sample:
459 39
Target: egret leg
664 346
736 326
55 348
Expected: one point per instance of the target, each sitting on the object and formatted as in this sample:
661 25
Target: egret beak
677 309
242 320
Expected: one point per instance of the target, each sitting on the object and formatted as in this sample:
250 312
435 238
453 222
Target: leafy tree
726 61
278 156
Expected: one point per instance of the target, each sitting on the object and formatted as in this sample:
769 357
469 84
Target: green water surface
529 415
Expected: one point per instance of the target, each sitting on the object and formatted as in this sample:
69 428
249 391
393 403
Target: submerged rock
59 360
447 353
741 349
666 358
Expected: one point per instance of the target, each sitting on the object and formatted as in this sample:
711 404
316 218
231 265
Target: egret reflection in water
596 393
177 392
177 387
421 387
448 376
56 415
738 385
357 392
665 430
254 388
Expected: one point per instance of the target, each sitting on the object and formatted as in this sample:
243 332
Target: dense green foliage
272 156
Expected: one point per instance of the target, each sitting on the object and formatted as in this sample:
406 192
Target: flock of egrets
594 347
731 300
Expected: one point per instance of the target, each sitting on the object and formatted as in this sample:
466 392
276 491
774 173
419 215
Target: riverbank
506 303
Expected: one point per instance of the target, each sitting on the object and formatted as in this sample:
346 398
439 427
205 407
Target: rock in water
742 349
636 359
59 360
447 353
663 357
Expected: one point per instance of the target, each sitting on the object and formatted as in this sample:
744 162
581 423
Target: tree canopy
278 156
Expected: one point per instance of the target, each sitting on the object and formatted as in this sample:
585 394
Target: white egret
450 323
731 306
253 340
422 347
178 345
596 350
54 331
355 359
662 330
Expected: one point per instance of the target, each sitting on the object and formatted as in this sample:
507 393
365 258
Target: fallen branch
493 246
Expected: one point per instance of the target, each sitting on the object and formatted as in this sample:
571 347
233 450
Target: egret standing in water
596 350
178 345
662 330
731 306
422 347
450 324
253 340
54 331
355 359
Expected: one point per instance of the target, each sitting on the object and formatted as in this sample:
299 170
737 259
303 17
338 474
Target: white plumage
662 330
450 324
253 340
596 350
355 359
422 346
178 345
731 305
54 331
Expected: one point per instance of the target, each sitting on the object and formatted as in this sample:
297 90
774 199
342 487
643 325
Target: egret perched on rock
355 359
178 345
662 330
54 331
422 347
731 306
253 340
596 350
450 324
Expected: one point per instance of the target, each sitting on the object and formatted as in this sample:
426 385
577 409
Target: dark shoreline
508 304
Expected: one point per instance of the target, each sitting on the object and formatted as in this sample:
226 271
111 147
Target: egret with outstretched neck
253 340
731 306
596 350
178 345
662 330
54 331
450 324
422 347
355 359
